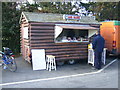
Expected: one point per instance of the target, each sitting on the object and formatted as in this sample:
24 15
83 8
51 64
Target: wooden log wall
24 42
42 37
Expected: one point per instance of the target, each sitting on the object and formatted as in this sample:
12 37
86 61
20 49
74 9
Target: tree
10 26
104 10
29 7
56 7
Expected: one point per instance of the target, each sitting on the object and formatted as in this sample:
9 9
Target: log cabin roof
50 17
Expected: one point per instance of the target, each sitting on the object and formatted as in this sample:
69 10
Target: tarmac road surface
79 75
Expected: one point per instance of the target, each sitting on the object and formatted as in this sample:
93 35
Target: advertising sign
73 17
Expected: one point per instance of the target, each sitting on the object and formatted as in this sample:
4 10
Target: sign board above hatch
71 17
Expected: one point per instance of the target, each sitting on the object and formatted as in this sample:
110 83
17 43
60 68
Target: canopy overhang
77 27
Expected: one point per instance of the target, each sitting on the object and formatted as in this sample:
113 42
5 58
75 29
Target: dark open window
73 33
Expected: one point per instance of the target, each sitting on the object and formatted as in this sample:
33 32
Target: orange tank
110 30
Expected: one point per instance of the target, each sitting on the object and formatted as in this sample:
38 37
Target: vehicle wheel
60 63
107 54
119 56
71 61
31 62
12 64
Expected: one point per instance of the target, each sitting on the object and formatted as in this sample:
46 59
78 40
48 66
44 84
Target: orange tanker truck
110 30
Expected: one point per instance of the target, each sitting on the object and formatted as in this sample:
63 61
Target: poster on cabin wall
25 32
38 59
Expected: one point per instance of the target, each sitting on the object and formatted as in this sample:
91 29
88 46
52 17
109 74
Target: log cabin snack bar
64 36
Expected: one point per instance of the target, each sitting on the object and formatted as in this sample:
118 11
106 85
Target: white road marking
61 77
107 65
